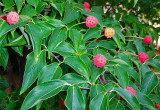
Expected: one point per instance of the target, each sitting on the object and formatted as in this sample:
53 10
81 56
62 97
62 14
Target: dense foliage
51 57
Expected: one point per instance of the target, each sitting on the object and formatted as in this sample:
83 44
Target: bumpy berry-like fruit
3 17
63 104
147 39
142 57
109 32
87 9
99 60
86 4
130 89
12 18
157 106
91 21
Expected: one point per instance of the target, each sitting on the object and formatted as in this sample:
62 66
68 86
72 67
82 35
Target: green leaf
150 81
3 84
139 45
155 98
59 7
78 65
92 33
96 89
41 92
135 2
74 99
129 97
73 78
17 42
65 49
121 35
19 4
8 4
3 95
154 63
28 10
56 38
35 34
76 38
144 100
40 7
5 27
56 23
33 2
53 71
100 102
95 72
122 76
117 40
115 104
70 14
32 70
11 105
107 44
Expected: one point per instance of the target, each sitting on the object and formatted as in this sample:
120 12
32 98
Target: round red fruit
109 32
63 104
147 39
99 60
142 57
86 4
87 9
157 106
12 17
91 21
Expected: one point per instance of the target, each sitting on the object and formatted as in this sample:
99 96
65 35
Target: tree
65 55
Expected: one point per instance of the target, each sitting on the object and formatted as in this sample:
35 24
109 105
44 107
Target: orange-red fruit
142 57
3 17
147 39
63 104
157 106
91 21
99 60
130 89
158 53
109 32
86 4
87 9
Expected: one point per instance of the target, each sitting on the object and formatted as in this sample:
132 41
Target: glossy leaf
122 76
145 100
96 89
150 81
53 72
107 44
139 45
78 65
32 70
95 72
41 92
35 34
117 40
154 63
73 78
55 23
100 102
74 99
56 38
65 49
17 42
19 4
33 3
92 33
115 104
59 7
129 97
76 38
28 10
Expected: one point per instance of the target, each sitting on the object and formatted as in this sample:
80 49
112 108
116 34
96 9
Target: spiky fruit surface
3 17
99 60
12 18
63 104
147 39
87 9
86 4
142 57
91 21
130 89
157 106
109 32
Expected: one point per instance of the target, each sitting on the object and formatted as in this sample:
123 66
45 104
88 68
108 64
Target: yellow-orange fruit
109 32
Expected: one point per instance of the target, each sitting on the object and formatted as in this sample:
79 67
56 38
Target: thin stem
128 53
84 88
135 37
95 39
56 58
76 25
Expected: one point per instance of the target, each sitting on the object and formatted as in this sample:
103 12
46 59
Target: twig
56 58
84 88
